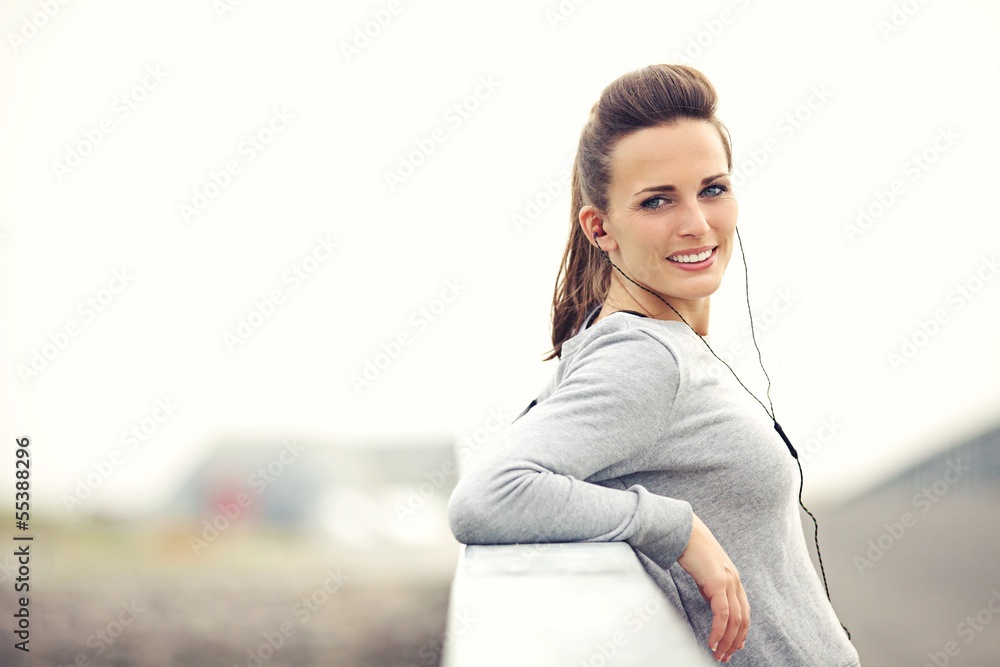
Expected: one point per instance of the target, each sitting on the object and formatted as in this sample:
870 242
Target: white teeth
687 259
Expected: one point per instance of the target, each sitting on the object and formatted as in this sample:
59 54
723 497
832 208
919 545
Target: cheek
726 227
728 242
647 266
640 256
641 242
727 217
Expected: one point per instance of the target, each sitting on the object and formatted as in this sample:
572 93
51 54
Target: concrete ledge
578 605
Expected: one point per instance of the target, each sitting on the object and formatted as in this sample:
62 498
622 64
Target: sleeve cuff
666 525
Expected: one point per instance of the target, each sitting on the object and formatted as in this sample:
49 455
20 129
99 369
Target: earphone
770 414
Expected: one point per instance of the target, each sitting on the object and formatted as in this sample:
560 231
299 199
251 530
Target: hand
719 583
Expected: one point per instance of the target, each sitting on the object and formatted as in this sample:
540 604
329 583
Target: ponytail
583 278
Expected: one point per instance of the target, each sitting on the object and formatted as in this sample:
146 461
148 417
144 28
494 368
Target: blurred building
362 493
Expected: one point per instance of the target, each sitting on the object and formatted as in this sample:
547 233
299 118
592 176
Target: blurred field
106 595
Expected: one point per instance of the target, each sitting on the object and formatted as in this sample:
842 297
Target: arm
606 416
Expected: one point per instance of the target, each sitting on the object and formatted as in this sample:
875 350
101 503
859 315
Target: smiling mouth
692 258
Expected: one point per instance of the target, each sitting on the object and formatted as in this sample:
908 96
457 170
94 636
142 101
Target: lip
696 266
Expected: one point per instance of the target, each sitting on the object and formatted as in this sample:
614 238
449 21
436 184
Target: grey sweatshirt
639 427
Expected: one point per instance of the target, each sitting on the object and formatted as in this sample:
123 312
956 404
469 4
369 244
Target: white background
356 115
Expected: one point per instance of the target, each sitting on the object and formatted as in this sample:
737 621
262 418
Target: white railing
556 605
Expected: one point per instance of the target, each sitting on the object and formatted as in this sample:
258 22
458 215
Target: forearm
522 502
604 418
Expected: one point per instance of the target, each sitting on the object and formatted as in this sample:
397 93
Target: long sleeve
603 420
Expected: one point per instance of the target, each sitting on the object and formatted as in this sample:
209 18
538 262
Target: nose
693 221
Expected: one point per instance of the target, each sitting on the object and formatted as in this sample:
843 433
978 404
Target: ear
592 221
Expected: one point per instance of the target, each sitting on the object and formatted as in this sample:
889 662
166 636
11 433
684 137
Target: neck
624 295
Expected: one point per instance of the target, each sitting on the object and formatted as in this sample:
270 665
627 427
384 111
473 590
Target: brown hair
648 97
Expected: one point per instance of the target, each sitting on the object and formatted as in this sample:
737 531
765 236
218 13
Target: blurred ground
914 564
122 596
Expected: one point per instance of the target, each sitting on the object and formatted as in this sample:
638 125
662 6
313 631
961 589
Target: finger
745 604
727 644
743 626
744 616
720 620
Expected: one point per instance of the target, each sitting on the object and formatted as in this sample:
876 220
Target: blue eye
649 206
722 189
658 201
654 203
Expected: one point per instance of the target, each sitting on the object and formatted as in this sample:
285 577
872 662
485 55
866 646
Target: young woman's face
671 211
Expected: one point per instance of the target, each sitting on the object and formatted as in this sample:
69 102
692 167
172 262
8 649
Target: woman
634 440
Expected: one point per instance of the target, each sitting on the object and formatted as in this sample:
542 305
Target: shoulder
628 347
629 336
620 365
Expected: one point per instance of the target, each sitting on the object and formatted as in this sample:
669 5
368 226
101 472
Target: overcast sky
343 220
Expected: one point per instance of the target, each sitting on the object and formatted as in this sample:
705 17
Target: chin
693 292
694 295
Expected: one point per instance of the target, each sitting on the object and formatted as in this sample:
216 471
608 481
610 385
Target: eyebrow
672 188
